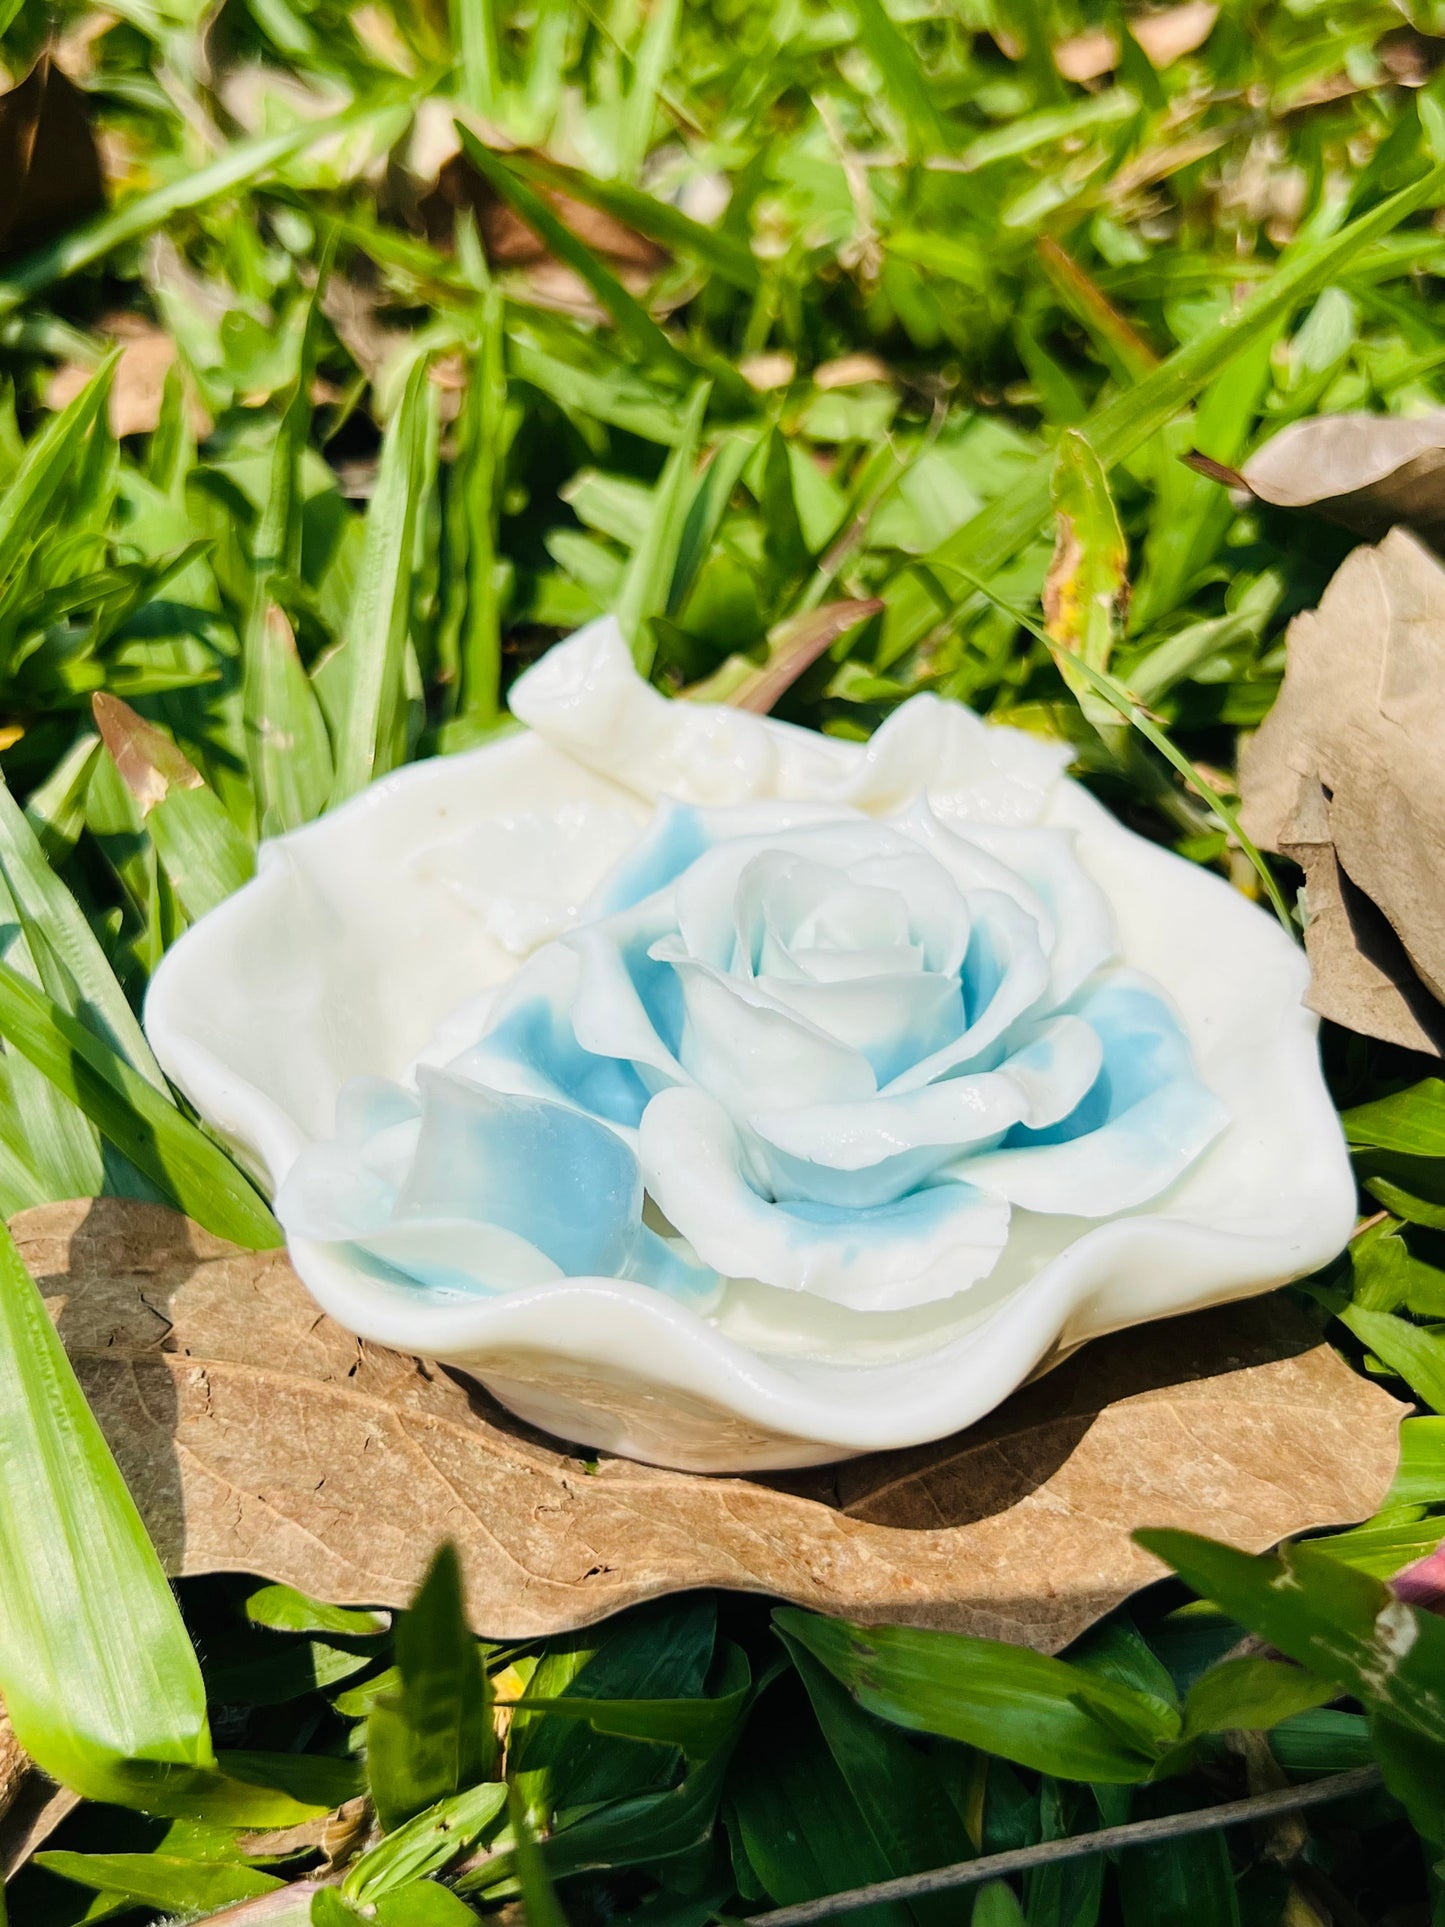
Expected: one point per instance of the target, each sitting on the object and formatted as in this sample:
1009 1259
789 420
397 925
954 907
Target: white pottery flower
734 1097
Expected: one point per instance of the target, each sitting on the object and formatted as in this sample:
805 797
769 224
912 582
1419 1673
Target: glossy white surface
398 933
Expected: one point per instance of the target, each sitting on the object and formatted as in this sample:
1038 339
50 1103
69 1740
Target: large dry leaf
1347 776
1366 472
258 1436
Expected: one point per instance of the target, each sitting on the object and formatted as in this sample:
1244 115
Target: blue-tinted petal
929 1244
1145 1119
675 839
531 1046
545 1172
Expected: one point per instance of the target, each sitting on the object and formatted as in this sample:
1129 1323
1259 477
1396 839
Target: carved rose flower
731 1095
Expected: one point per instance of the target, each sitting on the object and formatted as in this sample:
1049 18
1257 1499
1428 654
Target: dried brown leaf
1366 472
1171 33
49 168
150 764
31 1805
1346 770
138 383
258 1436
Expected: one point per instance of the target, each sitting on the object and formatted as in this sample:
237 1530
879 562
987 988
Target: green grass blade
479 498
96 1666
659 221
376 637
540 1904
904 80
631 319
44 901
195 1173
287 739
654 54
1126 422
60 1143
49 460
474 31
647 581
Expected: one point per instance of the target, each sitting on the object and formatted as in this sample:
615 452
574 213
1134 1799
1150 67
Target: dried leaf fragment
258 1436
1366 472
1347 768
150 764
49 167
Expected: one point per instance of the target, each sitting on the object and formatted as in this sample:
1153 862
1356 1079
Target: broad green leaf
1411 1351
1177 1883
474 34
49 460
651 60
657 1653
902 1793
1039 1712
1420 1475
50 1133
426 1843
1339 1623
1414 1771
285 1610
146 1127
996 1906
423 1903
204 854
640 1831
474 512
805 1831
433 1736
1411 1121
97 1670
1384 1546
1252 1693
377 633
176 1886
697 1726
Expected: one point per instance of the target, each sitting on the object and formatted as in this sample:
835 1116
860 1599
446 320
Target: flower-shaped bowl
380 942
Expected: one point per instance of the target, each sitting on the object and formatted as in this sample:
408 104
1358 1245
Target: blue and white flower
729 1095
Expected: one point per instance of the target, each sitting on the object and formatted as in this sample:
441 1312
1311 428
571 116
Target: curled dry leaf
1346 777
1366 472
258 1436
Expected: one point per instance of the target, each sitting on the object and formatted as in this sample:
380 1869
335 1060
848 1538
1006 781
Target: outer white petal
585 698
931 1244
